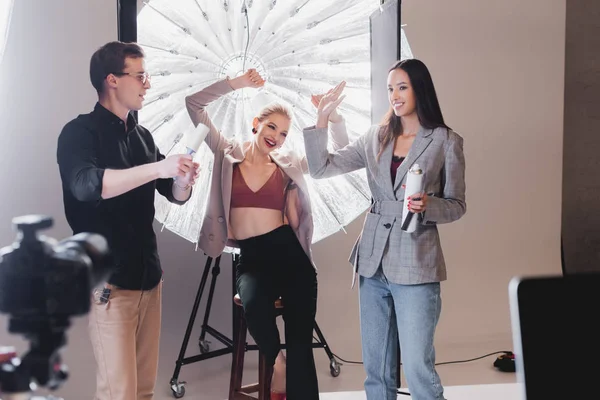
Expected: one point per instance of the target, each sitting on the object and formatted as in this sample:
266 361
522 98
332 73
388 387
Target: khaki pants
125 335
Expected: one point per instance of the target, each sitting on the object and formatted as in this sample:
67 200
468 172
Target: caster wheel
178 389
204 346
334 368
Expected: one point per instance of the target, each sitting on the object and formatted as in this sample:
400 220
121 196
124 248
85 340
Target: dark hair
428 107
110 59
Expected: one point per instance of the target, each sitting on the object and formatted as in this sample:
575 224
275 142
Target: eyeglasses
141 76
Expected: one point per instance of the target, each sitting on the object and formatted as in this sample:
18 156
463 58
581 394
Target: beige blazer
215 230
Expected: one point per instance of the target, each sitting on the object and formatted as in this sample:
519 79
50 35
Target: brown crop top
271 195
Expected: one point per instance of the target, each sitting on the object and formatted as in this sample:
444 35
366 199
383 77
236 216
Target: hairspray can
414 185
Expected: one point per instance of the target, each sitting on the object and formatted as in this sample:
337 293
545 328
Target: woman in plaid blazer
399 272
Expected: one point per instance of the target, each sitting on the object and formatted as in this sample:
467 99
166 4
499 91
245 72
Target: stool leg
239 351
265 373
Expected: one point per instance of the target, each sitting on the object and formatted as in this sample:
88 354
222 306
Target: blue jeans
411 311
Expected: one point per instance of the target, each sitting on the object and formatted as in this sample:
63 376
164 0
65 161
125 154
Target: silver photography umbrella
301 47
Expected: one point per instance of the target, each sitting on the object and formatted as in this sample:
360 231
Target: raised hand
251 79
316 99
328 104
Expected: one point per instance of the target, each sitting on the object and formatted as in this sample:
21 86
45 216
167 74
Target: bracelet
186 187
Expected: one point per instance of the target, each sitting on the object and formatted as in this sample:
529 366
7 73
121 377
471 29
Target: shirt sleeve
165 186
78 163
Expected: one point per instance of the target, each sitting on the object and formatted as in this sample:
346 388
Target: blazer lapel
232 157
294 173
385 164
422 140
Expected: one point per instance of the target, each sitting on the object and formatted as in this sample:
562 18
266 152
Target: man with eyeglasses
110 168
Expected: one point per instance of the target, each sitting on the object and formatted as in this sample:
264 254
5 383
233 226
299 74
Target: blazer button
387 226
220 219
211 237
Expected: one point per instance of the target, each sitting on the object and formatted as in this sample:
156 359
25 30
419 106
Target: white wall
44 83
498 68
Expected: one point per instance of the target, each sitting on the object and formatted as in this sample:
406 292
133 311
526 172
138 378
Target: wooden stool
265 372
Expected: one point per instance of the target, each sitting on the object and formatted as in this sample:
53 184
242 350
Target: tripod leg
334 366
323 341
190 326
211 291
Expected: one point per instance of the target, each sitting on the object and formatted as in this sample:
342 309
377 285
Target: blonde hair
275 108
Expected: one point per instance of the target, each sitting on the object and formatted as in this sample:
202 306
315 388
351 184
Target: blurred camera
43 283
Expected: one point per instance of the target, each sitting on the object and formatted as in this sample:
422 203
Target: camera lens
96 248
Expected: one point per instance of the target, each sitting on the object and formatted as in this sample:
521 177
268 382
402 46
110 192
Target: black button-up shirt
87 146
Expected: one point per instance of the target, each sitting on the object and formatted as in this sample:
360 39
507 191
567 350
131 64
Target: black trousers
275 265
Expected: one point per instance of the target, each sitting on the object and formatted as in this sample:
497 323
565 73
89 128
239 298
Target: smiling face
400 93
271 131
131 85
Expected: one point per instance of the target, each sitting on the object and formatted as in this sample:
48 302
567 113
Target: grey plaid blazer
406 258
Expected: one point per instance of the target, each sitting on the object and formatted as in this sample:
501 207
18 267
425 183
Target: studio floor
506 391
475 380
